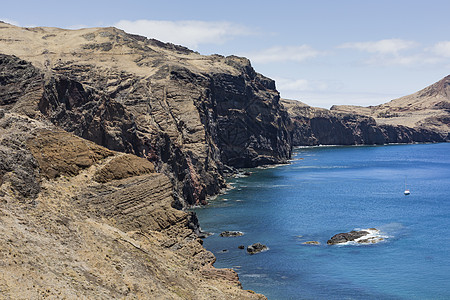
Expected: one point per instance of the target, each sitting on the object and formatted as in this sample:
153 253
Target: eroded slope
71 237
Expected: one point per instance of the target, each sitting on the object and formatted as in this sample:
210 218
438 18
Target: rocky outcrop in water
366 236
346 237
256 248
231 233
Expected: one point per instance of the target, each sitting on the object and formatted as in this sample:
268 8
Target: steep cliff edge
421 117
78 220
193 116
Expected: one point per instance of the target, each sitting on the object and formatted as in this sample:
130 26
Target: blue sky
320 52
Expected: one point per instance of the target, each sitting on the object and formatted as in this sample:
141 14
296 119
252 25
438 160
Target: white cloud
388 46
287 84
186 33
283 54
441 49
396 60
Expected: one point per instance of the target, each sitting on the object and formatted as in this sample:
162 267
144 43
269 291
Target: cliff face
427 110
78 220
316 126
193 116
78 216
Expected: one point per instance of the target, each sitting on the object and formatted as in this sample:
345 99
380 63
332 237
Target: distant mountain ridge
426 109
421 117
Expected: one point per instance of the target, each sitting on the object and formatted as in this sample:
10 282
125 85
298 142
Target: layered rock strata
193 116
78 220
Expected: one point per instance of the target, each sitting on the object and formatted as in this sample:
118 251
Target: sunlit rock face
192 116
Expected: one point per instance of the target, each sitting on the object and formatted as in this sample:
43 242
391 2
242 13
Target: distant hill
421 117
428 108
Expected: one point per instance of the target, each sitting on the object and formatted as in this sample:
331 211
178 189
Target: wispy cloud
388 46
441 49
289 84
398 52
187 33
284 54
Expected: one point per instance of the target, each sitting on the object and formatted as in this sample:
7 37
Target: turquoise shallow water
328 190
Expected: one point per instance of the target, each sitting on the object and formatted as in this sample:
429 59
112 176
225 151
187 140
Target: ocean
329 190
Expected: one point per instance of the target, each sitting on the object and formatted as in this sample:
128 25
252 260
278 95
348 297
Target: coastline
266 190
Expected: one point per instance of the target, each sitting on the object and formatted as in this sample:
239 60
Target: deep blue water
328 190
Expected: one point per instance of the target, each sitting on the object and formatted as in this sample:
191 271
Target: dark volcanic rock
312 126
256 248
346 237
18 168
192 126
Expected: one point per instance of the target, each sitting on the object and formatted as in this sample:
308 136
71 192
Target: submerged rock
256 248
311 243
367 236
231 233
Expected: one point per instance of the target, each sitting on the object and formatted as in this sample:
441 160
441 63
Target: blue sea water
328 190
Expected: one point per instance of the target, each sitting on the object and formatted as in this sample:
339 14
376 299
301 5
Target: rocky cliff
78 220
102 134
421 117
424 114
193 116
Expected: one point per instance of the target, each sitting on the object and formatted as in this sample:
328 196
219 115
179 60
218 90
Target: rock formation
421 117
346 237
256 248
231 233
194 117
366 236
78 220
86 118
388 123
103 134
427 109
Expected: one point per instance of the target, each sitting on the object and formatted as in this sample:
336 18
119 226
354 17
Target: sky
322 52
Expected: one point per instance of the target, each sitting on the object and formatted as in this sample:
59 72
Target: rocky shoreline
311 126
106 137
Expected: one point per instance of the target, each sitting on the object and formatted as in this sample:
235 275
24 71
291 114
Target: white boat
406 192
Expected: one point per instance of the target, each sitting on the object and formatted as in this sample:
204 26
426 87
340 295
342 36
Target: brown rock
183 111
124 166
60 153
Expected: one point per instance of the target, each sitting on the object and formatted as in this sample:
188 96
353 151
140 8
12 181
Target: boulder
346 237
256 248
